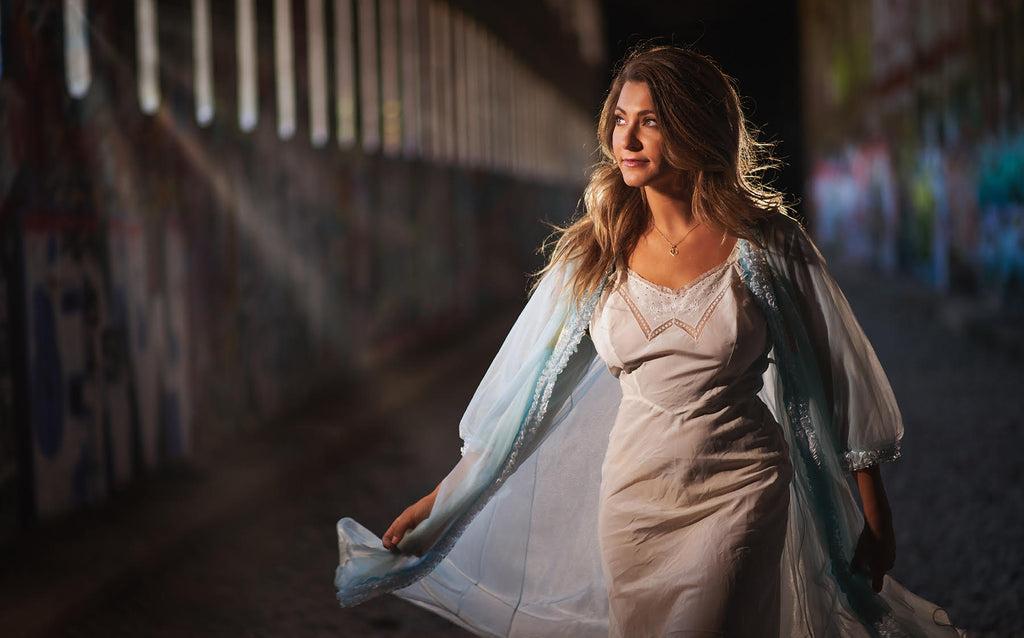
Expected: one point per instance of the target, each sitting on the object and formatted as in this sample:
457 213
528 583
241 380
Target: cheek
653 146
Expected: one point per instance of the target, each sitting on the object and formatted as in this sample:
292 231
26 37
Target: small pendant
673 251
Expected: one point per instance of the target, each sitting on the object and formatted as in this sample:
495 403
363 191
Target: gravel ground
255 553
958 491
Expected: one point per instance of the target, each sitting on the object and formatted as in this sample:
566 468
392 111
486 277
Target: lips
633 162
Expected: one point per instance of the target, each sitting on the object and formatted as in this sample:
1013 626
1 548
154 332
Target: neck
672 212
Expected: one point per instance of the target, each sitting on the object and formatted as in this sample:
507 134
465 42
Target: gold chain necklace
673 250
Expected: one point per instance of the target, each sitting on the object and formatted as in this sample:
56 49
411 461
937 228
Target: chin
636 181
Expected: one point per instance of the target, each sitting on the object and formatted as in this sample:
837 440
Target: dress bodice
703 343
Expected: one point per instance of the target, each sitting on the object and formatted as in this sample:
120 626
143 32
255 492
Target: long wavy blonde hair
705 137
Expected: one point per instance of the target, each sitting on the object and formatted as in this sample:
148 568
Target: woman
705 495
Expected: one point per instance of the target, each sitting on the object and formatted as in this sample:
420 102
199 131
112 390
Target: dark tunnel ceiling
739 26
684 11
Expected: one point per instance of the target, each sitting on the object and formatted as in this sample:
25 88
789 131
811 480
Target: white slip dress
695 481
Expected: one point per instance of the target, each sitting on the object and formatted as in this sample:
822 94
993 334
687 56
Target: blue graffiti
47 394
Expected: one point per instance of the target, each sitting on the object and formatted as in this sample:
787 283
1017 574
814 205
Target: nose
631 142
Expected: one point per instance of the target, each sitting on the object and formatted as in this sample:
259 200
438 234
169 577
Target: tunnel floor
246 547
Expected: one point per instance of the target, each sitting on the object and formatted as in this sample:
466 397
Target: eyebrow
644 112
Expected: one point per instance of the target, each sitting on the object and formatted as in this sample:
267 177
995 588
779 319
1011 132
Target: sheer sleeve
865 419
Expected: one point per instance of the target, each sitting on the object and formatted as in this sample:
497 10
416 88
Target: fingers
890 560
391 540
407 520
863 563
394 534
874 555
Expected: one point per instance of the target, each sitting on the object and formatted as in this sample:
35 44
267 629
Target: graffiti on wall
1000 235
65 306
149 312
953 216
934 112
108 381
855 199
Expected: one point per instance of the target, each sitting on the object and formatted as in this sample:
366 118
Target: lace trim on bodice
657 308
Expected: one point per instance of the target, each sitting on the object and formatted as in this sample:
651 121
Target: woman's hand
875 553
409 519
876 547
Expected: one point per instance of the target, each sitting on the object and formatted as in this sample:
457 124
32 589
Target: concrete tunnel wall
169 285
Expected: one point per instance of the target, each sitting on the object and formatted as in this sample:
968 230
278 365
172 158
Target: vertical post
76 48
148 52
317 62
445 130
245 38
390 87
411 98
202 61
459 116
369 82
345 73
284 67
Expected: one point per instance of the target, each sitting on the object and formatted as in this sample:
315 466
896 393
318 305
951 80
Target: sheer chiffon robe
512 545
695 482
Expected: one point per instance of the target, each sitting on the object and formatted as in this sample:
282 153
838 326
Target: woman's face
637 140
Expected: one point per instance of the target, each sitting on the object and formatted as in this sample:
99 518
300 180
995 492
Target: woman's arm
876 548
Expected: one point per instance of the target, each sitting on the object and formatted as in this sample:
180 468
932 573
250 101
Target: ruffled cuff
863 459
